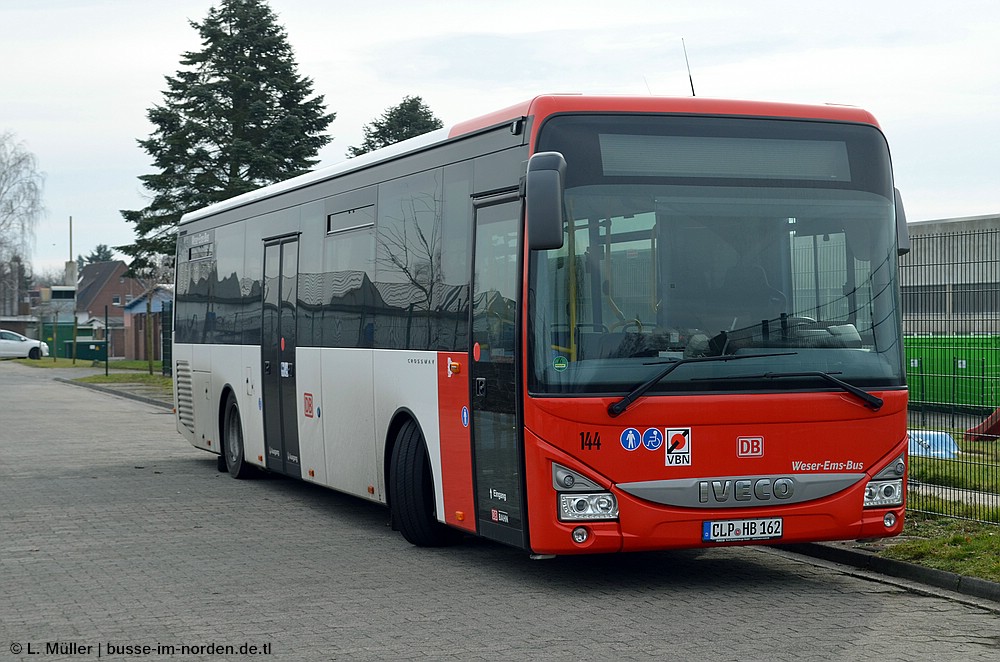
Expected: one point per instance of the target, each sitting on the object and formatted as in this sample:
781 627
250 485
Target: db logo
750 446
307 405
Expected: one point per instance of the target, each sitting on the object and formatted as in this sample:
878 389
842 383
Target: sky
77 77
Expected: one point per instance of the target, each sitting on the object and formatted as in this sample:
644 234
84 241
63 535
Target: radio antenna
688 63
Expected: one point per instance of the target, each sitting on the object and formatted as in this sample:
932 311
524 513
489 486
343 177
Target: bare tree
20 209
413 248
409 245
48 276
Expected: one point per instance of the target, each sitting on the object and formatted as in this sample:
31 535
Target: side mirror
543 194
902 233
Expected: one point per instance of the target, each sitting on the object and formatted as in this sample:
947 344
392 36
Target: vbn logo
750 446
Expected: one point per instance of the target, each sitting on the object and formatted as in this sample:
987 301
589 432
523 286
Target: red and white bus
579 324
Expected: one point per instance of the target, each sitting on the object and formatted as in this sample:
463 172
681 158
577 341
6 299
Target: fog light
580 535
889 520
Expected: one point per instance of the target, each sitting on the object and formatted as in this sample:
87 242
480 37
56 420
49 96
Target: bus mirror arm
544 186
902 233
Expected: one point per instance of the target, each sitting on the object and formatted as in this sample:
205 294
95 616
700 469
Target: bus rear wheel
411 492
232 441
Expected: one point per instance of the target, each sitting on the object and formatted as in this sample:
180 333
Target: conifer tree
409 119
102 253
237 117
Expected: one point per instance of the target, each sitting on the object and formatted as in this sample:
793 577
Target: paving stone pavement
115 532
845 552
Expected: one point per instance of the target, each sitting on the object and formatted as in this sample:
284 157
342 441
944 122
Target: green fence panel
961 371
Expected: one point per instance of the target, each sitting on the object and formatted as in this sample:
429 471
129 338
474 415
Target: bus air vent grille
185 395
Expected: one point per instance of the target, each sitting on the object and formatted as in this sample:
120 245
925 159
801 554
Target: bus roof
541 107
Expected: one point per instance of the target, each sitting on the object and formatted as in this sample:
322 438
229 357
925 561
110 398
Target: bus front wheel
232 440
411 491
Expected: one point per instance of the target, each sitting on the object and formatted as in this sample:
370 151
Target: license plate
731 530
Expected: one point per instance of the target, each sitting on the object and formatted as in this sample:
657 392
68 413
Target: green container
86 349
55 337
959 371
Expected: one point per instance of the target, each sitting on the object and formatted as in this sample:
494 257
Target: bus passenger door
496 442
277 349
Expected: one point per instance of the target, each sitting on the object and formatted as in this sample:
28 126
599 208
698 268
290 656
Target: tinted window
228 298
422 260
195 284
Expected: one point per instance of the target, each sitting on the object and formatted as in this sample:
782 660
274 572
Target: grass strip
963 547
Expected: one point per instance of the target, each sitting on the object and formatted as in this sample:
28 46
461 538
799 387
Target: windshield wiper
617 408
871 401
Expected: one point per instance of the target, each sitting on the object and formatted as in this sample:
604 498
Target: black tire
220 462
35 353
232 441
411 492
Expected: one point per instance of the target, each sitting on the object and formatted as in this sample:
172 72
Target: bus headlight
575 507
882 493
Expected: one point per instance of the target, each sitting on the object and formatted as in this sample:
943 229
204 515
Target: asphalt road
120 541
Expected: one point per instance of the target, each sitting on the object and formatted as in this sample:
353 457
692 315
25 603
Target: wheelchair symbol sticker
652 439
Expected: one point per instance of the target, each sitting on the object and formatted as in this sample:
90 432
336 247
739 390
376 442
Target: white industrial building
951 277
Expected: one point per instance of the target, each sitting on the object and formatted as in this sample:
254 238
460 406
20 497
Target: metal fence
951 325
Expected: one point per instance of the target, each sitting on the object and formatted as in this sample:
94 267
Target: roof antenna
688 63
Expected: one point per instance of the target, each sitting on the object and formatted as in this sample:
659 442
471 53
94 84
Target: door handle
480 386
267 367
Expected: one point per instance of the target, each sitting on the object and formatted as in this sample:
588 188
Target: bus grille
185 395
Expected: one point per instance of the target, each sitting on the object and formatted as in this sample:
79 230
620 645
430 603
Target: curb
971 586
125 394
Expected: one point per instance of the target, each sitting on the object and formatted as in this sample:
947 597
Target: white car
14 345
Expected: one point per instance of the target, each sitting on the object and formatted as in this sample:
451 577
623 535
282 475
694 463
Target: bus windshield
696 237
